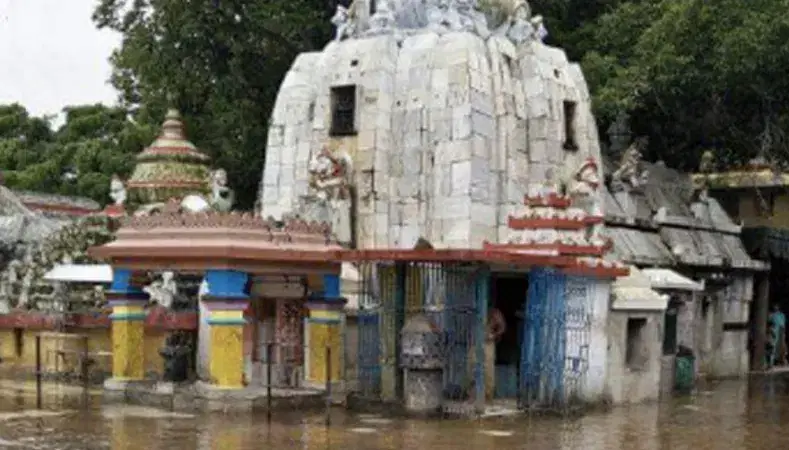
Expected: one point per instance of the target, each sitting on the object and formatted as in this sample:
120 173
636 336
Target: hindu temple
456 156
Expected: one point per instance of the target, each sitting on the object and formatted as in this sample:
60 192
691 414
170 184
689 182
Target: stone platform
201 396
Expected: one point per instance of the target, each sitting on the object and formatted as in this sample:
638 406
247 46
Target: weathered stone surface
451 128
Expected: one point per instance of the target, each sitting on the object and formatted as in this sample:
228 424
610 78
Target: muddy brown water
730 415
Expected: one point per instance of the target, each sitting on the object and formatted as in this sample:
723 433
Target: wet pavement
730 415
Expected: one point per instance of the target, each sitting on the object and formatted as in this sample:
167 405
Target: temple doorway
508 293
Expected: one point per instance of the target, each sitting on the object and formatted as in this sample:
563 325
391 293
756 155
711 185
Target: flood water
729 415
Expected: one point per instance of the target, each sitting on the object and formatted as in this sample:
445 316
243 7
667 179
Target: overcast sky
51 55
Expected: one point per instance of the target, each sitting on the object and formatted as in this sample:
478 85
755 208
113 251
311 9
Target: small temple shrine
175 223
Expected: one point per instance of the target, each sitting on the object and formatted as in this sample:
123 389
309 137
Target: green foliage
93 143
694 75
219 62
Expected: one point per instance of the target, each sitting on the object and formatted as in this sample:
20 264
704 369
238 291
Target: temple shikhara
432 168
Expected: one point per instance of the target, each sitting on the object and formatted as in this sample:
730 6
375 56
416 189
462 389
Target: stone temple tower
426 119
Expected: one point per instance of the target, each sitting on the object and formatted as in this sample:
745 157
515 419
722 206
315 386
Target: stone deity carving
586 196
630 173
222 197
330 182
540 33
707 163
5 294
24 292
343 21
117 191
520 28
436 11
465 11
163 291
383 21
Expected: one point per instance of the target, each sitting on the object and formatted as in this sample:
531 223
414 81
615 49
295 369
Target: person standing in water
777 320
495 327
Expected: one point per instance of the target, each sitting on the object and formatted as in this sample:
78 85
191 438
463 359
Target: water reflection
732 415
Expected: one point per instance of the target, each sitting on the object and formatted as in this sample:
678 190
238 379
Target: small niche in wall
570 142
343 111
670 330
635 343
311 112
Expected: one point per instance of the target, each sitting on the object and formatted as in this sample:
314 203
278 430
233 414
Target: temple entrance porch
542 361
260 281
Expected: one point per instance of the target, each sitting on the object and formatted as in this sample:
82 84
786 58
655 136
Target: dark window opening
343 111
731 204
670 331
570 142
636 350
372 7
19 342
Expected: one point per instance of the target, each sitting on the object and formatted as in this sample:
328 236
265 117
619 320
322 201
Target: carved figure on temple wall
707 163
631 174
436 11
585 189
164 291
330 174
383 20
117 191
520 28
222 197
343 22
540 33
330 182
24 294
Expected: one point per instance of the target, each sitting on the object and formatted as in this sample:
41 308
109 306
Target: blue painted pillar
226 301
401 286
127 301
481 288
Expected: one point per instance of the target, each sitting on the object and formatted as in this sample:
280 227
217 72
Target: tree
694 75
219 62
78 158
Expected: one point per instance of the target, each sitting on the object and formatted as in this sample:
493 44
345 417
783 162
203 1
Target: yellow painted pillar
128 327
226 301
324 334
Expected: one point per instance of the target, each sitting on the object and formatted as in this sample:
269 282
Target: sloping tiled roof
18 223
691 231
639 247
54 200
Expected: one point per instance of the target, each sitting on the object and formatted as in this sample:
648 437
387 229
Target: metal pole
760 317
328 385
38 371
85 366
269 358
